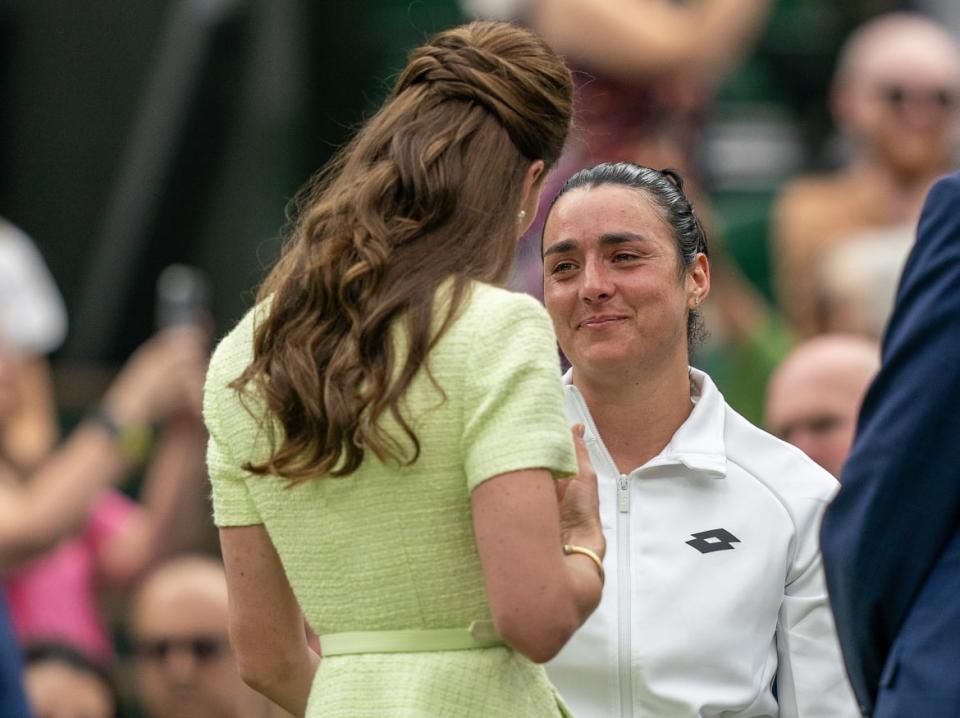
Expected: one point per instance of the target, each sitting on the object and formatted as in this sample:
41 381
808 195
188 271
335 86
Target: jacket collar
698 444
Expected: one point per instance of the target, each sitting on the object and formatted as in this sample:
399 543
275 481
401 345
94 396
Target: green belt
480 634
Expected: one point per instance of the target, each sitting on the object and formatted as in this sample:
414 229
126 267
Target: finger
583 457
585 473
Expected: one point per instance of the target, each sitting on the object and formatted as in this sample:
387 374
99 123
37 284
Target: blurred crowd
113 585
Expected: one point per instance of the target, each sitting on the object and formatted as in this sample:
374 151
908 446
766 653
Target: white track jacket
715 589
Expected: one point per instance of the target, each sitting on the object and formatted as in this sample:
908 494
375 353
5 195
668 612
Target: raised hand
163 377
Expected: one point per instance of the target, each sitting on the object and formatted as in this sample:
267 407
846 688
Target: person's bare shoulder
814 206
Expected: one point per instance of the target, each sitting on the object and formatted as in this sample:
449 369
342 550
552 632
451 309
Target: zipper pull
623 495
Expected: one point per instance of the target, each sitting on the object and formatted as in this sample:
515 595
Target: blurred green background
270 88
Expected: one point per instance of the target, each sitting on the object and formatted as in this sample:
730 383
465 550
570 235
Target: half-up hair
425 195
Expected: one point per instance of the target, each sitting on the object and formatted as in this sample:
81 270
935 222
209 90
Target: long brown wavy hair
427 192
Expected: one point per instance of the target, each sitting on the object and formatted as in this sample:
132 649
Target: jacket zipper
623 603
623 571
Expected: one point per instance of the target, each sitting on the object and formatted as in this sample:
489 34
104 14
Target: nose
180 665
596 284
922 116
925 110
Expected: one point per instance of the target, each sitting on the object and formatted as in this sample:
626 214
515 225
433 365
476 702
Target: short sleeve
232 503
513 395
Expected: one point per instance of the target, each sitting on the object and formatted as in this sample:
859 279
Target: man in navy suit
891 539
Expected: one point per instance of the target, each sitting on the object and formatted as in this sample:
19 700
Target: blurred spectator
158 382
59 595
654 66
32 314
62 682
184 666
54 596
855 280
46 496
33 322
56 500
648 72
814 396
895 98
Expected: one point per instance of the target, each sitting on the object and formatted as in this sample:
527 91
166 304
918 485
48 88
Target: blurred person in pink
55 594
814 396
895 99
62 530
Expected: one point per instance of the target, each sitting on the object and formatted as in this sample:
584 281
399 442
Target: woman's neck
637 414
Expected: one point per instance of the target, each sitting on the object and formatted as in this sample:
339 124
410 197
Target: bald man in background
814 396
184 666
895 100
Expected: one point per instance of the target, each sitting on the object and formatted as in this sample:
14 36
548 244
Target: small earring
521 215
696 301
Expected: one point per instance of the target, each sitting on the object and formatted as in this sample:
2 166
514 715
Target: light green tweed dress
392 547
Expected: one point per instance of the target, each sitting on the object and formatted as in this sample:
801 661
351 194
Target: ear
850 105
532 186
697 281
533 181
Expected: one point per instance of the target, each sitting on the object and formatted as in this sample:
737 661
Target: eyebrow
613 238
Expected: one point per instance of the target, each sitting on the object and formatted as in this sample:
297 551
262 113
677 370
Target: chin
601 358
917 158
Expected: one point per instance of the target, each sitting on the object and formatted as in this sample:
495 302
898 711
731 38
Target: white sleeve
811 678
33 319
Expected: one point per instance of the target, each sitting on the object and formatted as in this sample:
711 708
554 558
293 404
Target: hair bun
673 176
482 63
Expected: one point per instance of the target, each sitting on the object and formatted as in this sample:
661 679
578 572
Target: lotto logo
713 540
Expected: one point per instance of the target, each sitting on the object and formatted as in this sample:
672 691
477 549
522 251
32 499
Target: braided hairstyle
426 193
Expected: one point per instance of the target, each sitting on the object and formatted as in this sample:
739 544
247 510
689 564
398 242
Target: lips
601 320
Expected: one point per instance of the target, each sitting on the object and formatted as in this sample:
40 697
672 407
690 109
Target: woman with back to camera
386 424
716 588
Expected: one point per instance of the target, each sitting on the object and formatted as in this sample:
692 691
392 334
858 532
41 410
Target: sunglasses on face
203 648
897 96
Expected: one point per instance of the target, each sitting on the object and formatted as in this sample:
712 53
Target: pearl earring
521 215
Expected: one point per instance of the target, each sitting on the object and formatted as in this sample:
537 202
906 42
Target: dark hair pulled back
426 193
665 189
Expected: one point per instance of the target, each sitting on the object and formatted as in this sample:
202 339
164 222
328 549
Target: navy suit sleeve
898 506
